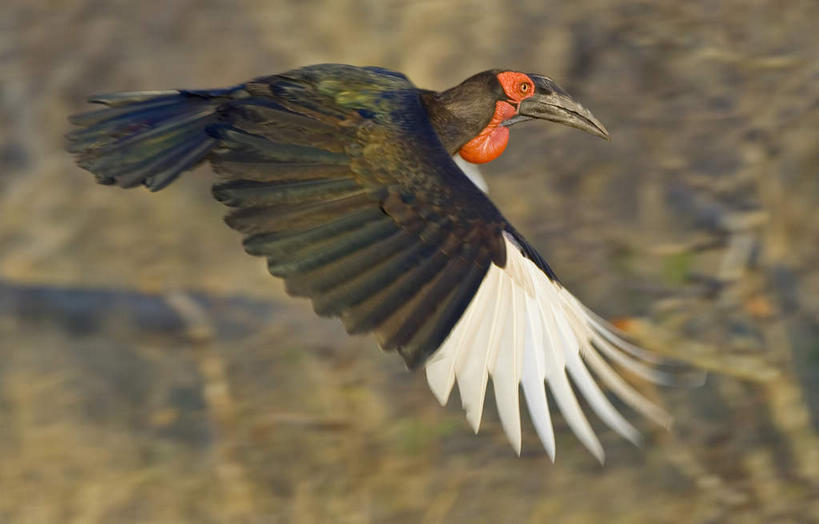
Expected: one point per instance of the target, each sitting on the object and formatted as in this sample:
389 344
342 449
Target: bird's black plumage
337 176
343 178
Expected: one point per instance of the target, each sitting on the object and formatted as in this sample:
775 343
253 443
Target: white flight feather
499 321
598 401
504 370
625 392
471 368
611 333
559 383
523 329
623 359
534 378
441 366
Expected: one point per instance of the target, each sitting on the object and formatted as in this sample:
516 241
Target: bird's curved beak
551 102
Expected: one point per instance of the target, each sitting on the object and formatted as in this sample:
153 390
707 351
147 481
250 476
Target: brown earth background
150 371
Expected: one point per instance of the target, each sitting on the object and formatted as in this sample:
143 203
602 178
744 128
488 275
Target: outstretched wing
339 180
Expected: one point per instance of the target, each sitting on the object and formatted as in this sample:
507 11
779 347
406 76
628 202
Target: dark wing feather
335 175
337 178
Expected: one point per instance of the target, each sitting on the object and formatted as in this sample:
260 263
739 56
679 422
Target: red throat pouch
492 140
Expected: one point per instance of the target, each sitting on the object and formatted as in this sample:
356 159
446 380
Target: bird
346 180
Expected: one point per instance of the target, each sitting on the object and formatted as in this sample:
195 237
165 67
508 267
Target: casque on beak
551 102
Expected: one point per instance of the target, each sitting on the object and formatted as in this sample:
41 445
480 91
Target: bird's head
474 117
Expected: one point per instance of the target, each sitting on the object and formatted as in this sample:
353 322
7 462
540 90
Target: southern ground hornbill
343 178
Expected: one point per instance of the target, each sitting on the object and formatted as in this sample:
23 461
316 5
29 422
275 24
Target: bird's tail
146 137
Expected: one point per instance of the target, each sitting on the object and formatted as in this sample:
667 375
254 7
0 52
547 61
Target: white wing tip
473 416
439 381
560 336
514 438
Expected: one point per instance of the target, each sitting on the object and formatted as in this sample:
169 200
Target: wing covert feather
335 175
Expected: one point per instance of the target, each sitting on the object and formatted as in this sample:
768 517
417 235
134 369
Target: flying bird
343 178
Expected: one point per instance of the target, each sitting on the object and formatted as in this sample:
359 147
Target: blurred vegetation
151 372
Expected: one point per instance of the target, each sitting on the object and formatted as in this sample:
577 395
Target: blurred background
150 371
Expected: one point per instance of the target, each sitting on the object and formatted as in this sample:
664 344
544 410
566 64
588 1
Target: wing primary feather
499 318
533 377
361 275
399 328
130 174
440 368
246 143
584 381
429 338
110 114
505 369
625 392
250 167
368 315
348 284
191 157
270 116
556 377
598 401
638 368
174 123
366 265
471 369
412 317
133 97
253 193
613 381
592 331
281 242
322 254
266 219
610 332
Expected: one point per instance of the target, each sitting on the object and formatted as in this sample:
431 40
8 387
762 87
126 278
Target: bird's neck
456 117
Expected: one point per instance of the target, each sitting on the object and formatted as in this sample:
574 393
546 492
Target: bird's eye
525 89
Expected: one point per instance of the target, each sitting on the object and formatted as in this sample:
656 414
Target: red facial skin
492 140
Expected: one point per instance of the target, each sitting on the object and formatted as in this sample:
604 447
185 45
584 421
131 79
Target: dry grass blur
150 371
